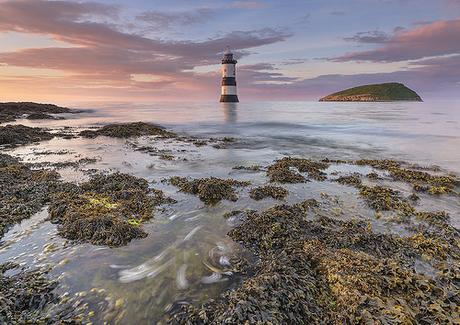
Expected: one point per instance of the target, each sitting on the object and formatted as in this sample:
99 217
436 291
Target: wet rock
20 134
288 169
107 210
262 192
127 130
210 190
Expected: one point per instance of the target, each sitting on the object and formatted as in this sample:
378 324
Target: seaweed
29 296
11 111
326 271
420 180
127 130
384 199
288 169
252 168
14 135
24 295
23 191
210 190
262 192
40 116
353 180
373 176
107 210
235 213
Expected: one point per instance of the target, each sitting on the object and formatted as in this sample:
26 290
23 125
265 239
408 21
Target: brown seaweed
288 170
210 190
23 191
262 192
107 210
127 130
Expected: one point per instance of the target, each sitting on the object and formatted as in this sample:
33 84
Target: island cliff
385 92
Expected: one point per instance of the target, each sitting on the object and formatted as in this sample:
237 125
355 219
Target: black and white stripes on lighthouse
228 92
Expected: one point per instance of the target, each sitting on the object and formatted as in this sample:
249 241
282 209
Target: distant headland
386 92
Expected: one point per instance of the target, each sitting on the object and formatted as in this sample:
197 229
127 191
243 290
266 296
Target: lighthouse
228 91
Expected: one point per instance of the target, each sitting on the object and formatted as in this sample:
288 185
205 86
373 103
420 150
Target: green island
385 92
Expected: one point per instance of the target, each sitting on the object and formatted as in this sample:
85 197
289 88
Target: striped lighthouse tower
228 92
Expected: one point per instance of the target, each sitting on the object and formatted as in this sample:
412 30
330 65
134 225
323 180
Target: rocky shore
306 265
313 269
10 112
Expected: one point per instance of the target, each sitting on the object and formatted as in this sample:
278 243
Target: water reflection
230 112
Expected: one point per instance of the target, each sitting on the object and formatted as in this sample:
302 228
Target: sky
168 50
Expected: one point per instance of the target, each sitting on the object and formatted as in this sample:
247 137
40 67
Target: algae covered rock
374 93
20 134
40 116
422 181
13 110
262 192
127 130
23 295
326 271
31 296
23 191
288 170
107 210
210 190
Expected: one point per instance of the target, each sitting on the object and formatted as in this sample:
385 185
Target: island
386 92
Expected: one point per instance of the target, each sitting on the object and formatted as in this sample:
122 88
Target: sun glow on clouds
65 50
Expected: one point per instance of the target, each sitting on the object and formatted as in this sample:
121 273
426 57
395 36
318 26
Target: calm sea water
426 133
185 257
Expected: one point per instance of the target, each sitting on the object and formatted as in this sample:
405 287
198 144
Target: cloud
338 13
98 42
430 39
369 37
248 5
104 57
165 20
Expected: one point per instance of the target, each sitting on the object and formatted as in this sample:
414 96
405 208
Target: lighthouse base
229 99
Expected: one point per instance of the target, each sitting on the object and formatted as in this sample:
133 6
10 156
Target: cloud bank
107 58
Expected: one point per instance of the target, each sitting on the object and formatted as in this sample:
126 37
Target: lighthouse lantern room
228 91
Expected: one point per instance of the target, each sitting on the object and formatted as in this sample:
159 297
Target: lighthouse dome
228 57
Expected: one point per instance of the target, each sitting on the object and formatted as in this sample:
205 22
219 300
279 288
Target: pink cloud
430 39
106 57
